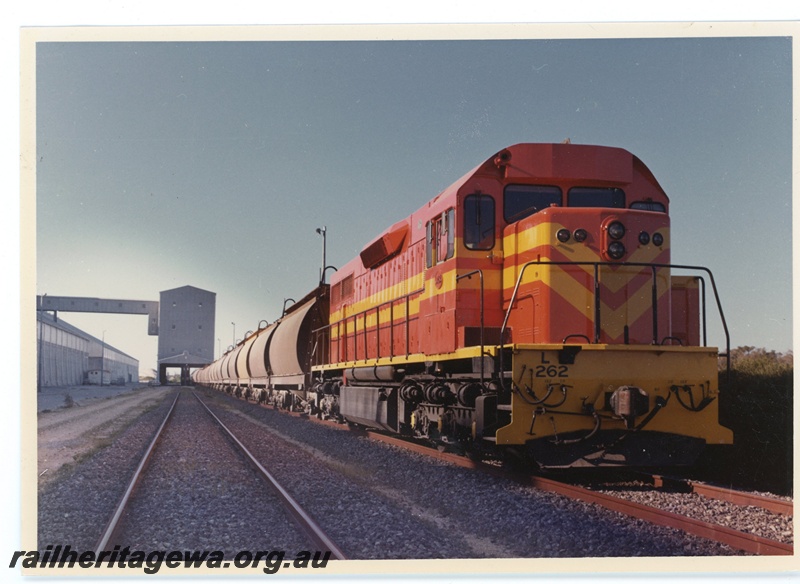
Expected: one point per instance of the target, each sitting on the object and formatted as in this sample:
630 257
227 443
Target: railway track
305 522
375 502
196 422
736 538
779 506
740 540
111 531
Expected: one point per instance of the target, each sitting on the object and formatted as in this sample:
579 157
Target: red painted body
402 269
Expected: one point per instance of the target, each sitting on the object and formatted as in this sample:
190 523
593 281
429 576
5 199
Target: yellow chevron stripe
582 299
614 321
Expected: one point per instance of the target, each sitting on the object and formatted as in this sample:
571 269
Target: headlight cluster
657 239
616 232
564 235
616 249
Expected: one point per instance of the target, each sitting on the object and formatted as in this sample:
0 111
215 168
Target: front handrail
597 328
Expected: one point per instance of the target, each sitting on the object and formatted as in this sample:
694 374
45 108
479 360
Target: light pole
322 231
234 333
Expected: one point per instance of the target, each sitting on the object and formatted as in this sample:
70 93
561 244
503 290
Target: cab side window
478 221
440 238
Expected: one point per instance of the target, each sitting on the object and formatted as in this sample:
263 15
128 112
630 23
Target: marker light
616 250
616 230
580 235
644 238
563 235
658 239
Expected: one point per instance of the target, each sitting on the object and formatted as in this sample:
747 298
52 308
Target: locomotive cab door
438 304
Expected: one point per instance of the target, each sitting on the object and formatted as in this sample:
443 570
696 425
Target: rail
110 531
307 524
711 491
597 320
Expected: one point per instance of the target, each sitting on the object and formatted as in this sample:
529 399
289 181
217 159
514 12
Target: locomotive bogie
440 410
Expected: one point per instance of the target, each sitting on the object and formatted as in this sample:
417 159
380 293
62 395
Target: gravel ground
198 493
69 434
355 518
376 501
380 501
748 519
75 507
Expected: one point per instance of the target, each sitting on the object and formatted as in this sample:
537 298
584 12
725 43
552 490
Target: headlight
563 235
616 230
644 238
580 235
616 250
658 239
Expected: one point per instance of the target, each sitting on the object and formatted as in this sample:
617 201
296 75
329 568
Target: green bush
760 362
756 403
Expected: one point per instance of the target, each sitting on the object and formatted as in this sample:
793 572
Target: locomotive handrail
597 329
703 305
363 313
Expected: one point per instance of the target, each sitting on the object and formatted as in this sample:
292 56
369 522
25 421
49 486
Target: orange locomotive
530 309
531 306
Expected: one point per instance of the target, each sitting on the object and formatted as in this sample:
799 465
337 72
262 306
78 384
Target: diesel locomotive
530 309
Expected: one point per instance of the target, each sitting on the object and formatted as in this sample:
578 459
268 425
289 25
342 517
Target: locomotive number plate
551 371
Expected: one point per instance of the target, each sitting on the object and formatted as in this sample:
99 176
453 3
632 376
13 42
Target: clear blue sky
161 164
